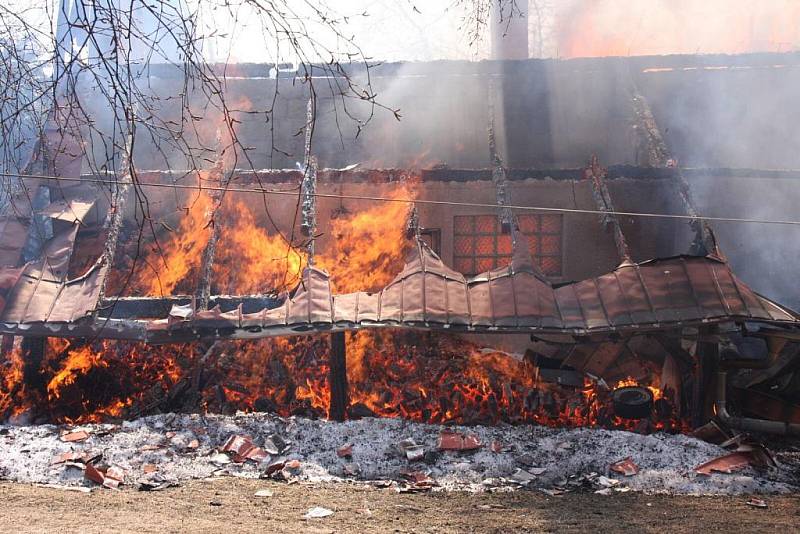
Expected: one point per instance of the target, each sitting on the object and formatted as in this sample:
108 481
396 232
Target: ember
435 378
432 377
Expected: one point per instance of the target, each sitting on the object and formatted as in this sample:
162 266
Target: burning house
533 255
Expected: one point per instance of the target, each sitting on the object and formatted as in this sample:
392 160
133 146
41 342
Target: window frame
498 258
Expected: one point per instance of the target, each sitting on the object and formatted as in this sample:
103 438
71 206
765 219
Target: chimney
508 24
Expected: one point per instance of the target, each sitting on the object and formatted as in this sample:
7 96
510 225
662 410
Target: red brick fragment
69 456
727 463
244 449
149 468
345 451
72 437
455 441
625 467
93 474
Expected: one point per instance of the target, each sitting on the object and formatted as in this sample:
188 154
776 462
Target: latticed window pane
533 244
528 224
479 245
551 224
551 244
464 265
486 224
463 245
485 264
484 246
464 225
503 261
504 244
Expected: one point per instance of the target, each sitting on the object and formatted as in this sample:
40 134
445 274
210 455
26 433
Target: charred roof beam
498 170
602 198
308 226
658 155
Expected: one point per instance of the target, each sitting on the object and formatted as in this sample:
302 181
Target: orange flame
418 376
179 258
249 260
369 246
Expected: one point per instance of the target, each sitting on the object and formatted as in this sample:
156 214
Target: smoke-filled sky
644 27
438 29
415 30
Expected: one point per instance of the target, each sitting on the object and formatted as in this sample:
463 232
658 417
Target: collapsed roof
40 296
426 294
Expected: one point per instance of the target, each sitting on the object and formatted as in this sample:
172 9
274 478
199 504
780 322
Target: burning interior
426 292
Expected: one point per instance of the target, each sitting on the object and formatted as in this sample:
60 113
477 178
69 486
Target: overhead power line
295 192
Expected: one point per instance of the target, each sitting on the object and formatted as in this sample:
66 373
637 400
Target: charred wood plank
203 292
337 377
658 155
498 170
766 406
673 346
113 224
308 187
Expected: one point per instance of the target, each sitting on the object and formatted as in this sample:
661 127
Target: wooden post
337 378
704 376
7 345
33 352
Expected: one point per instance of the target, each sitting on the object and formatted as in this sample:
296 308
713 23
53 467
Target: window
433 238
479 245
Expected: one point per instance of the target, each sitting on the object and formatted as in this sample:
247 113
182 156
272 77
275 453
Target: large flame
178 258
428 377
250 260
419 376
369 246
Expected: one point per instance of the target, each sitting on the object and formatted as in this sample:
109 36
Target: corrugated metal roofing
428 294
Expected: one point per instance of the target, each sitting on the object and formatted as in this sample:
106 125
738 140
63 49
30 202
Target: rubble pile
156 452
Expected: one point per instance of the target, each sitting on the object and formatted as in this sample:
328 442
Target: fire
87 383
419 376
78 362
178 260
12 384
423 377
249 260
653 387
369 246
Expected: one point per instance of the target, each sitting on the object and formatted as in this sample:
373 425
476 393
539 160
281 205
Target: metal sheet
70 211
658 294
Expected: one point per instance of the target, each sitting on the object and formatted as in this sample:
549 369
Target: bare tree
61 66
478 13
98 54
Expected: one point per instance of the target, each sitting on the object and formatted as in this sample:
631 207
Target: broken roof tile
625 467
73 437
727 463
455 441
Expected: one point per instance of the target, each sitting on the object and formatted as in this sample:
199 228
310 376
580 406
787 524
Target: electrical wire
295 192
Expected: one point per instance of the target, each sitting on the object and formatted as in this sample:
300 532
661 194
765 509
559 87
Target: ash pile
157 452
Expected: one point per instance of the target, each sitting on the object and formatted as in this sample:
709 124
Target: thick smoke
743 115
595 28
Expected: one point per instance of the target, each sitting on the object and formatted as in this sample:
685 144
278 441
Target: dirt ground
229 505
